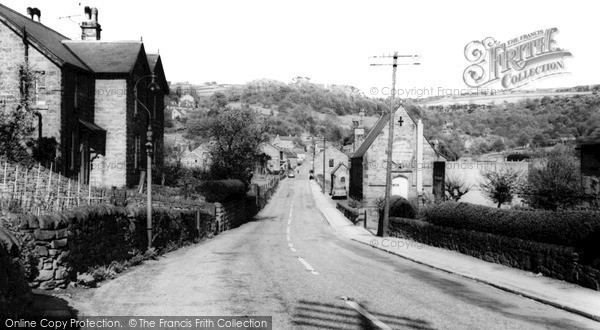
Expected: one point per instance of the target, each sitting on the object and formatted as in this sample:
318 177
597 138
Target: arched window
343 179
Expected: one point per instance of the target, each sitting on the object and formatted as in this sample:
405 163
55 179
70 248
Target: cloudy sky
330 41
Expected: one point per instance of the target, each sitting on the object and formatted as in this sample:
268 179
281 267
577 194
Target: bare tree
456 187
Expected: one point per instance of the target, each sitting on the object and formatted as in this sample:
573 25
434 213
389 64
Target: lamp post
153 87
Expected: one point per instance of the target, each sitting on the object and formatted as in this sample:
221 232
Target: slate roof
377 128
46 40
107 57
152 60
337 167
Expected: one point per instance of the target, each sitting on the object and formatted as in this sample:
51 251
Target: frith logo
514 63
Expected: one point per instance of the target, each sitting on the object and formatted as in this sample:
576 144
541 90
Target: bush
400 207
567 228
222 190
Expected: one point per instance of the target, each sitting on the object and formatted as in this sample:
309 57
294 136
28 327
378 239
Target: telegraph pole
383 227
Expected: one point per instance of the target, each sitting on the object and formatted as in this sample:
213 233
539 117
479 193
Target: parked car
291 174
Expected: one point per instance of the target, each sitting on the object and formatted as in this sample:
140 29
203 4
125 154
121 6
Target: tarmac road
291 265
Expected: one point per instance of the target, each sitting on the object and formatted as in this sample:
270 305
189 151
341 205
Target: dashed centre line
291 246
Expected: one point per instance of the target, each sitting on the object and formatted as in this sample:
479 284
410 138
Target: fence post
365 220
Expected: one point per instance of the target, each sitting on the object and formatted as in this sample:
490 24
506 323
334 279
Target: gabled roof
377 128
290 154
156 67
43 38
337 167
107 57
379 125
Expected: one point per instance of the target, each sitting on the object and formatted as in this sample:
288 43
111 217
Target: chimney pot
30 12
90 29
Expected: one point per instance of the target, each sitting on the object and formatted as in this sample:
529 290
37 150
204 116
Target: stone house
290 159
284 142
187 101
84 96
340 177
276 155
301 153
412 161
333 157
198 158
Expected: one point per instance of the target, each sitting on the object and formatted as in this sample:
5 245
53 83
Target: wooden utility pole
383 227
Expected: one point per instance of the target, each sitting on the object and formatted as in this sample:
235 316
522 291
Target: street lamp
153 88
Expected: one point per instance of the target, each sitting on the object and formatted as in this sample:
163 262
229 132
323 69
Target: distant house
84 96
198 158
301 153
412 161
178 113
340 177
333 157
187 101
275 154
284 142
290 158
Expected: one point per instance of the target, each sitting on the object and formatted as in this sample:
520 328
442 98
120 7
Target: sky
234 42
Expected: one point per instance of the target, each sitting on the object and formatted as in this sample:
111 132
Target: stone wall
555 261
73 241
14 290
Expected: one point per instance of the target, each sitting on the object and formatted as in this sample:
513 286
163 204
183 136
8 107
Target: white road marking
368 315
308 266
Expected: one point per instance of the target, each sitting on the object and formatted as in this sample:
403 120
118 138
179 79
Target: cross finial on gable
400 121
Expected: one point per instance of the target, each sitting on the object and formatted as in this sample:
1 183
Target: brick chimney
90 29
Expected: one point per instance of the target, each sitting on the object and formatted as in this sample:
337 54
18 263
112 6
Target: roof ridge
36 22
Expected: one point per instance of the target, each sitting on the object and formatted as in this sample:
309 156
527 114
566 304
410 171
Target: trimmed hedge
566 228
400 207
222 190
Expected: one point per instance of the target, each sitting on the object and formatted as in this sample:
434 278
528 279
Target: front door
400 187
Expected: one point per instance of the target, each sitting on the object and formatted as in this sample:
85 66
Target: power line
384 223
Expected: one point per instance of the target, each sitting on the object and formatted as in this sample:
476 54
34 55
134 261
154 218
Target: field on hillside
494 99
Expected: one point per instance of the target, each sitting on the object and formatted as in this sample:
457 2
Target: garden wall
14 290
73 241
551 260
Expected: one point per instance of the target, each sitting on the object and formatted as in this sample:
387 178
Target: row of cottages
281 159
413 160
84 96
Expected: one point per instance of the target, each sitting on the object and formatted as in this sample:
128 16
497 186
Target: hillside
469 126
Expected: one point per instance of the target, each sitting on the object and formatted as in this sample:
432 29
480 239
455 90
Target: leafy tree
498 145
523 140
500 185
556 183
236 136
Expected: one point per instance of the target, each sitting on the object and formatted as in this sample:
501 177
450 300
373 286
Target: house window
137 151
39 84
343 179
135 102
331 163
